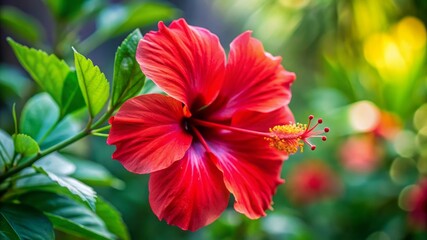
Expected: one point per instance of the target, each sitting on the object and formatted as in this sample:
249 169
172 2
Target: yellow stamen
287 138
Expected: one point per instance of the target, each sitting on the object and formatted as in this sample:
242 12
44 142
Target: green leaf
57 164
39 120
52 75
13 81
21 24
128 78
95 87
25 145
72 98
39 116
47 70
93 173
65 129
54 163
118 19
68 215
72 186
24 222
65 9
6 148
112 219
39 181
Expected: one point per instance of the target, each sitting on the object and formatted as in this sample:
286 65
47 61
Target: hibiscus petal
187 62
251 168
148 133
254 79
262 121
191 193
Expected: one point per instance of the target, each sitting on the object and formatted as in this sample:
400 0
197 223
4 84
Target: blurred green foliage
41 188
360 65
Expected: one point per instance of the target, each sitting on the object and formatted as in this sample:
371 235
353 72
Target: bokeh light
361 65
364 116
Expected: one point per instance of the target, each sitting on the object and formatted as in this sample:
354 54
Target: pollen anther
291 137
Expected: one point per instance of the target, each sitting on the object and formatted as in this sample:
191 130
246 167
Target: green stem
41 154
104 118
101 129
87 131
100 134
89 124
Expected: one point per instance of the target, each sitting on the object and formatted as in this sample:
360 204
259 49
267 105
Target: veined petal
262 121
252 179
148 133
187 62
254 80
191 193
251 168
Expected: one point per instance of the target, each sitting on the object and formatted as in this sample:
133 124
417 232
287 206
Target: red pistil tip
293 136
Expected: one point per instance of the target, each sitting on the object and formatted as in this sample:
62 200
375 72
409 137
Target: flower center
287 138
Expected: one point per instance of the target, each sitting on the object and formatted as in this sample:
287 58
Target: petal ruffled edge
254 80
251 178
148 133
187 62
191 193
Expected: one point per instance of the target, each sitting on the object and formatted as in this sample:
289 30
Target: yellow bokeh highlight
397 52
410 34
394 59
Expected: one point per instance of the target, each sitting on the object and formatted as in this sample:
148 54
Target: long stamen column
287 138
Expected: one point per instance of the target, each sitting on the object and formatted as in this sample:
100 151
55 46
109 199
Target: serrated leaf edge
13 43
83 83
28 137
50 174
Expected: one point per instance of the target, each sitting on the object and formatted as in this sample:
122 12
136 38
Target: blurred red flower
417 203
207 138
361 153
311 181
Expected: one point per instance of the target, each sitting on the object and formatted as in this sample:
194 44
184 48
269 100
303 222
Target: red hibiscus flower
206 139
312 181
